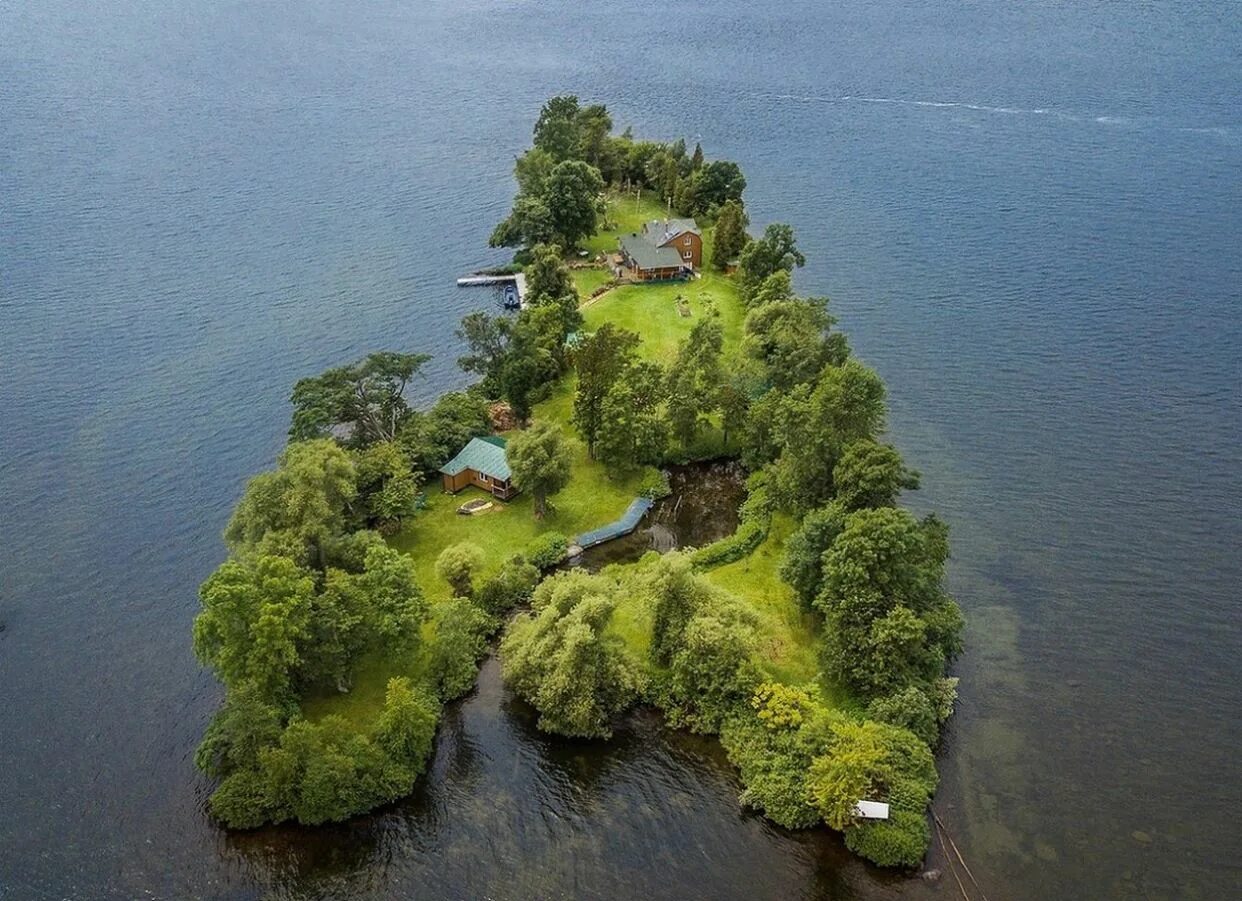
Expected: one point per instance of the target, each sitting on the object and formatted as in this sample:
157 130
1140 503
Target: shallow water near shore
1026 216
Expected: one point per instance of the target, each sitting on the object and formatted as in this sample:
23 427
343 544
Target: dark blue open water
1028 215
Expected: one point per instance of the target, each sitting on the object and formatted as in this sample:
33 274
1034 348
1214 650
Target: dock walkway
518 281
623 526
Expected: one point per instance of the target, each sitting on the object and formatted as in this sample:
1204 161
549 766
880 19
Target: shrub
458 564
547 550
509 588
909 708
899 841
780 706
462 630
565 665
654 484
875 760
773 765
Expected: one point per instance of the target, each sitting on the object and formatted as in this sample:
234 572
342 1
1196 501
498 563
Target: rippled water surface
1027 217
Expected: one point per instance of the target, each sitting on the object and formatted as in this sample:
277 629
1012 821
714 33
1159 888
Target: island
391 548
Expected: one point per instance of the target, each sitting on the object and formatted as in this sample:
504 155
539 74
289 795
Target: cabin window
484 479
687 255
688 241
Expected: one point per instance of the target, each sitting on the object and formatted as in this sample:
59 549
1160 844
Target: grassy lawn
651 311
787 637
587 280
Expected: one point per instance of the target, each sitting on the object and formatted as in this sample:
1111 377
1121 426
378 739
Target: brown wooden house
665 249
481 463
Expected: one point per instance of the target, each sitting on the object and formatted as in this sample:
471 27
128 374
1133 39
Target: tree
530 222
776 250
889 622
379 608
803 568
254 623
710 187
813 428
790 338
430 439
600 359
458 564
487 338
694 380
547 276
631 430
461 639
563 661
528 366
730 235
557 128
734 406
696 160
594 125
367 395
870 474
303 503
387 486
572 198
247 723
540 460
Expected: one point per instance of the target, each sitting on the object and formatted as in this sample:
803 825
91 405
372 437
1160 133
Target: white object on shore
871 810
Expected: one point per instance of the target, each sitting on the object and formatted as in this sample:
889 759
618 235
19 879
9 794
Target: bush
462 630
563 663
899 841
773 765
910 709
780 706
712 673
654 484
547 550
457 565
754 521
512 586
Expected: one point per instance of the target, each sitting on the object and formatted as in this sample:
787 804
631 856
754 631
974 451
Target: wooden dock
518 281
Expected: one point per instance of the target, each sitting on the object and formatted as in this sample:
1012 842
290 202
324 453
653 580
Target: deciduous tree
730 235
540 460
776 250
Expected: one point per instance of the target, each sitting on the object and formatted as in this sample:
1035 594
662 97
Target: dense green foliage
575 155
458 565
777 250
825 690
309 594
367 397
547 550
539 458
730 236
562 661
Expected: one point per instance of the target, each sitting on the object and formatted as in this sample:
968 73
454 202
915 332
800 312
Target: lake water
1028 216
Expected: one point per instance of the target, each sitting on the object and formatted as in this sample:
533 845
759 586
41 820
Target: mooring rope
945 837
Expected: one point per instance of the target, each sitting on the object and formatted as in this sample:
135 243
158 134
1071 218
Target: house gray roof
662 230
485 455
647 256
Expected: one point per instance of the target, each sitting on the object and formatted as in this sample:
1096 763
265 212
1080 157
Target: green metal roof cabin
481 463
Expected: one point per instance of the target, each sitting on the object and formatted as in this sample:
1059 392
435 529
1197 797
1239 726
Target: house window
687 255
688 241
484 479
